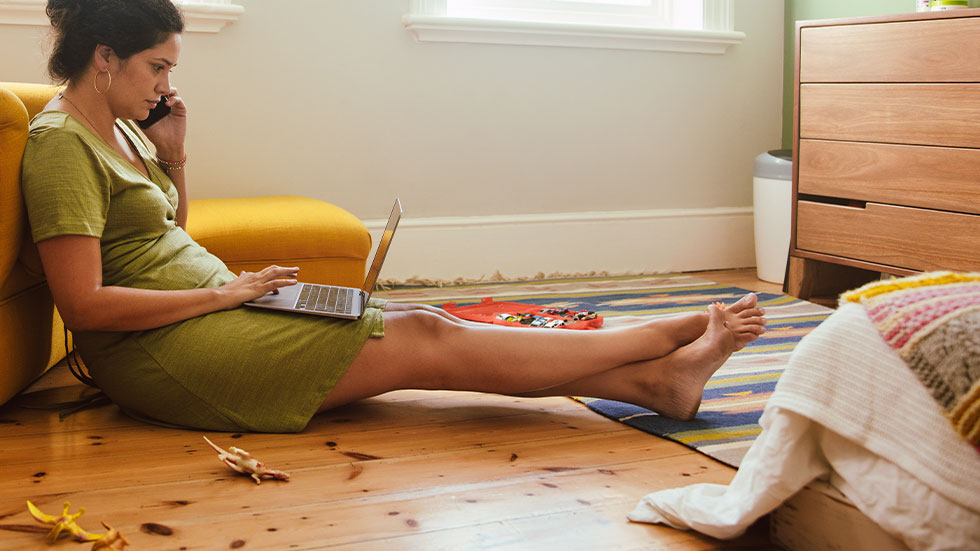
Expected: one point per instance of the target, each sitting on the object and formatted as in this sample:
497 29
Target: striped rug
734 398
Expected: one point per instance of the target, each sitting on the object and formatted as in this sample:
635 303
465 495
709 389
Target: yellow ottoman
327 243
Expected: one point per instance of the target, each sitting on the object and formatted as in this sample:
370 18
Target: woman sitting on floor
159 321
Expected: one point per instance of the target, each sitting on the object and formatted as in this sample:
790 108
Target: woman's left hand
169 132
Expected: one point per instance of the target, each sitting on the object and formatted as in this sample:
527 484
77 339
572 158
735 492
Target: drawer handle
850 203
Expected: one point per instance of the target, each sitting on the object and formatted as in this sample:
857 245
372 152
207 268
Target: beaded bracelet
172 165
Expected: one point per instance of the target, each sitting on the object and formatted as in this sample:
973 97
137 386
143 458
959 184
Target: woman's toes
746 302
751 313
753 321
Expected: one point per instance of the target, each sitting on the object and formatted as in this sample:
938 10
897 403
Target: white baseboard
520 246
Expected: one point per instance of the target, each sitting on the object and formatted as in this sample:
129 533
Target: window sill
429 28
201 17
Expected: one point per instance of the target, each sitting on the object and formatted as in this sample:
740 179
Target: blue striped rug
734 398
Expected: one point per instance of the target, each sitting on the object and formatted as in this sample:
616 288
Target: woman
159 320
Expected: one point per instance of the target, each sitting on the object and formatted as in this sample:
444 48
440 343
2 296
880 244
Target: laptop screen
383 244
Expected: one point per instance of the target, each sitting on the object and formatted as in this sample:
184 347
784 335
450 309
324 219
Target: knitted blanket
933 322
847 407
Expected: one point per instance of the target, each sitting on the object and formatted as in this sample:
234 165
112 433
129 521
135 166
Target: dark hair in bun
126 26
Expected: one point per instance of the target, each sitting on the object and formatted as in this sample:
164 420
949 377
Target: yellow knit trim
876 288
965 416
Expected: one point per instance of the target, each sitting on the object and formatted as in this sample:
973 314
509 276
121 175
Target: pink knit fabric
906 315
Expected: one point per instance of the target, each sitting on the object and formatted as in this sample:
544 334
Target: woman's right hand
252 285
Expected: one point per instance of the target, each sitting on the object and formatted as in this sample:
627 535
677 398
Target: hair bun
61 12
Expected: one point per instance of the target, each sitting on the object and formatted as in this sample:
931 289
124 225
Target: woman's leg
672 385
426 350
742 318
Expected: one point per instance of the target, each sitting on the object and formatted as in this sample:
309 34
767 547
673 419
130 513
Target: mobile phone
157 113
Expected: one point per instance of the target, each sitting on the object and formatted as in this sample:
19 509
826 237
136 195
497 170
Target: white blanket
848 408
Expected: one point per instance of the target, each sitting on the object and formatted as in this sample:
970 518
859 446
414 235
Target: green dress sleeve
66 187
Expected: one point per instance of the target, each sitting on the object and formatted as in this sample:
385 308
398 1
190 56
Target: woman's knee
434 328
432 344
405 307
419 331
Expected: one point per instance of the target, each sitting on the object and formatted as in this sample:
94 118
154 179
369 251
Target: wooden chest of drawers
886 149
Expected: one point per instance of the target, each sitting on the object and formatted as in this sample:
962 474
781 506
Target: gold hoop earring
95 82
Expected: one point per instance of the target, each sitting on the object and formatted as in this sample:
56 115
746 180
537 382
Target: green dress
236 370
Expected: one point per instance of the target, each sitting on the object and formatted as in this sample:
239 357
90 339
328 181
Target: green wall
798 10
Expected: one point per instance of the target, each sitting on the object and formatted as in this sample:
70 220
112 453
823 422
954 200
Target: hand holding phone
157 113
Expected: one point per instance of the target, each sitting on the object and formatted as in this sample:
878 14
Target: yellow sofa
328 244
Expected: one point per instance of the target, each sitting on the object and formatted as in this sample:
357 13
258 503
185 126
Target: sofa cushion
13 136
19 102
329 244
33 338
33 96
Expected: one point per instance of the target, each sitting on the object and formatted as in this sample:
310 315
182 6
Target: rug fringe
497 277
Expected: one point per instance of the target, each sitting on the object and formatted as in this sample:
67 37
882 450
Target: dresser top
920 16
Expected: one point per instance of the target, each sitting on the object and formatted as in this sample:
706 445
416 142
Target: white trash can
772 191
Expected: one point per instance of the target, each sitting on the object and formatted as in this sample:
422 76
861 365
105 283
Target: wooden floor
407 470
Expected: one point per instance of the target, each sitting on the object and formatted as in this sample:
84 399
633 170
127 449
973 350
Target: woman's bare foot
681 376
745 320
671 385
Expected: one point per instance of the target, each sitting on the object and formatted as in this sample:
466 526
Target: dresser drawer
905 51
917 114
931 177
905 237
887 149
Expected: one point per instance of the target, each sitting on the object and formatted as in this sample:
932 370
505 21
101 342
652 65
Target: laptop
331 300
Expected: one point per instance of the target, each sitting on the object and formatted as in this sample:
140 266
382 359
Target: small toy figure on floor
62 523
110 538
69 523
241 461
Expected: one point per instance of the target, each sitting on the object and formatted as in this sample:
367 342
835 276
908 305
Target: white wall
557 159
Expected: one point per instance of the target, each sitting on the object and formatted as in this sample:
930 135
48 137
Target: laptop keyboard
324 298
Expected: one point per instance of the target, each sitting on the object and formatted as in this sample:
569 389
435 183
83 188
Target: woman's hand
169 132
252 285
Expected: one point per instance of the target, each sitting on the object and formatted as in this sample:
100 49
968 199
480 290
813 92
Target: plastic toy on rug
241 461
63 523
518 314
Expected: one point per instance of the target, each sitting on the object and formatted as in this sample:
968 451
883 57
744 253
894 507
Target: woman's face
142 78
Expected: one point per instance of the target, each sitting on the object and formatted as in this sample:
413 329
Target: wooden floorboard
407 470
